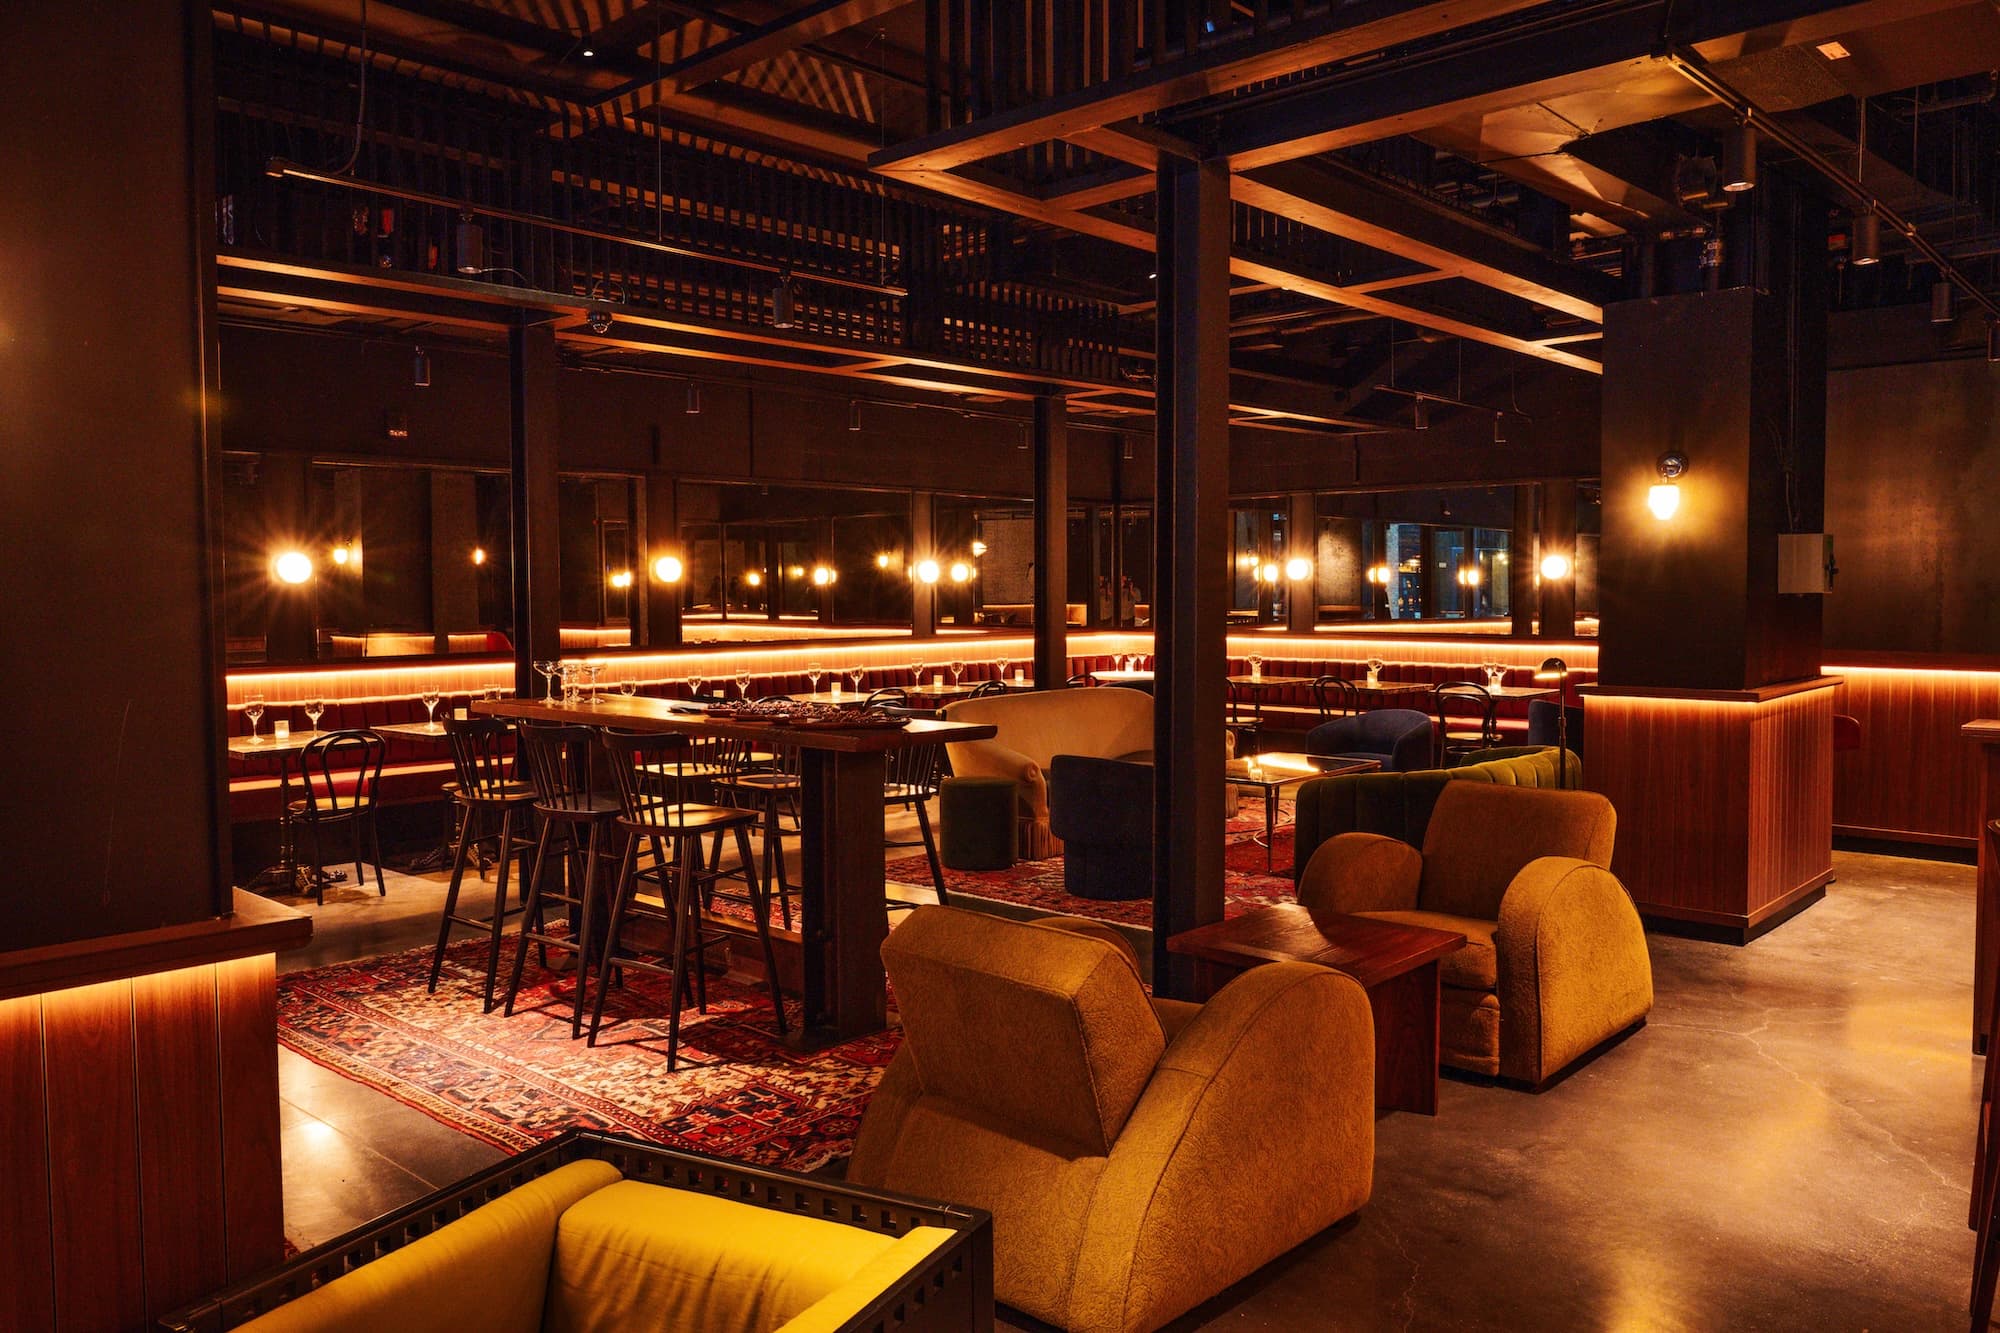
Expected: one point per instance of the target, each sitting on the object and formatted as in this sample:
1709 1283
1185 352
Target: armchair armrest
1261 1111
1573 965
1362 872
990 759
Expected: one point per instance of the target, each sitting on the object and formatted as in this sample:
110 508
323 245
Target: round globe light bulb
927 571
669 569
1298 569
293 567
1555 566
1664 500
961 572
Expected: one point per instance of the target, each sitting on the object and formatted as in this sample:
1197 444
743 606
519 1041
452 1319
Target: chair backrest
1543 716
358 752
1481 834
986 688
913 772
1106 721
1403 734
1336 696
481 754
894 695
636 759
1047 1031
1469 702
558 762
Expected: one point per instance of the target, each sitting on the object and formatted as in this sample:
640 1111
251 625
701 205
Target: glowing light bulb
1555 566
669 569
754 579
1298 569
1664 500
293 567
927 571
341 555
961 572
478 556
823 575
621 579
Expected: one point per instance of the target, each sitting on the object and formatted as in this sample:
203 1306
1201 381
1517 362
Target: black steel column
1190 602
663 540
533 513
1051 541
1558 619
923 596
1521 562
1301 542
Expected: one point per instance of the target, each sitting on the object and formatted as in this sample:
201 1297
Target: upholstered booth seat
1398 805
1137 1156
1555 959
1400 739
1032 729
575 1247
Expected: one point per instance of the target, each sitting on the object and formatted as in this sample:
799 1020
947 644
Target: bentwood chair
893 696
1465 720
574 818
342 773
987 687
1336 696
487 787
673 828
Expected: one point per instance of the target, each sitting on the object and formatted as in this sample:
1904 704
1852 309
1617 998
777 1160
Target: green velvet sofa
1398 805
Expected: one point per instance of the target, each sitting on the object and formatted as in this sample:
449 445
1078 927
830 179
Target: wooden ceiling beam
752 46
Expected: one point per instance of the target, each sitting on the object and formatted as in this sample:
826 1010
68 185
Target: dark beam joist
1342 201
1050 430
821 18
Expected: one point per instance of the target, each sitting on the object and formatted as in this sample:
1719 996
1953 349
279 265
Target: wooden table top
641 713
1370 951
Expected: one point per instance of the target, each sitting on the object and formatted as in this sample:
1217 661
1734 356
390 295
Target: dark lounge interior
1032 664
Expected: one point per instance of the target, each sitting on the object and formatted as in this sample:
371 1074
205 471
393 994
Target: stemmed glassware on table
1494 672
813 672
957 670
314 707
628 686
743 685
1000 669
253 708
916 671
550 670
431 698
855 673
695 681
591 671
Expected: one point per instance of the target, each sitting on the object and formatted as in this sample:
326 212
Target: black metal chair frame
1336 696
1452 743
771 788
987 688
319 763
912 777
486 784
659 818
573 817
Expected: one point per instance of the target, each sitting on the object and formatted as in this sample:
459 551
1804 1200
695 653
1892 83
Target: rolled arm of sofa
1261 1112
990 759
1573 965
1362 872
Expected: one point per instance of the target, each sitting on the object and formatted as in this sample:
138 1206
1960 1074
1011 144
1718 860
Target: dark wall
110 803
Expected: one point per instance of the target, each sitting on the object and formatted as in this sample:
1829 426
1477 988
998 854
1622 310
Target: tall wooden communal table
1985 733
842 918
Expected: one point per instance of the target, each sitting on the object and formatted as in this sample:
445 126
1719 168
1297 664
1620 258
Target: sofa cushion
1482 834
1044 1030
1475 967
634 1255
487 1271
832 1312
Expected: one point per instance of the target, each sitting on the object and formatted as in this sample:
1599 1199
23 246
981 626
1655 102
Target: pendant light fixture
784 303
1739 159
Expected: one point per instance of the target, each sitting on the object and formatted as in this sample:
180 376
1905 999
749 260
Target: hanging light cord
361 103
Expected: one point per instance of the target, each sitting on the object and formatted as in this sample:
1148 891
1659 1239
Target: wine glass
1000 669
916 671
314 707
855 673
253 708
743 684
627 686
813 672
591 671
431 697
957 670
695 681
549 670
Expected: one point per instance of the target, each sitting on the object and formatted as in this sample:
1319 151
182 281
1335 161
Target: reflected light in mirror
341 554
293 567
823 575
621 578
1268 572
754 579
961 572
668 569
884 560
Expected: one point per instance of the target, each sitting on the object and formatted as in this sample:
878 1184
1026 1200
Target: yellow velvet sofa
1555 959
595 1232
1137 1155
1034 728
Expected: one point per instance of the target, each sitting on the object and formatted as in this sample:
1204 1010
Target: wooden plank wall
139 1164
1915 777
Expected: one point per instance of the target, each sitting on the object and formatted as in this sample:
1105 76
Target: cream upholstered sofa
1033 729
1555 956
1137 1155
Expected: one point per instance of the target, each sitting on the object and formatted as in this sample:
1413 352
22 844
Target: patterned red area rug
738 1091
1039 884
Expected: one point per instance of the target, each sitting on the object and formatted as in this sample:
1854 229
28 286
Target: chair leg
760 909
458 858
375 848
312 864
582 933
931 851
683 899
500 904
627 863
534 905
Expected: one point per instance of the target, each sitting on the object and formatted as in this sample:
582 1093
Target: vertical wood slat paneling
100 1263
180 1135
1914 775
27 1260
1791 788
247 1019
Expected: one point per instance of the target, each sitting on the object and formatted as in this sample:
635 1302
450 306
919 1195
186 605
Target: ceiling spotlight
1866 247
1993 340
784 304
1499 428
694 399
420 370
293 567
1739 159
1941 302
668 569
471 245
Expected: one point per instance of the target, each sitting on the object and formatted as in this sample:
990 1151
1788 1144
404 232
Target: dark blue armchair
1542 724
1102 810
1399 737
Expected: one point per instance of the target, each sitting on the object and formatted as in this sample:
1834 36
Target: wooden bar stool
573 819
768 787
486 787
661 815
325 766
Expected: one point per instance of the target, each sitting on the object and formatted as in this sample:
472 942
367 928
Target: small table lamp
1557 670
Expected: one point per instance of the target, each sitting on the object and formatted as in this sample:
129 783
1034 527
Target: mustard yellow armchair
1555 959
1124 1147
1033 729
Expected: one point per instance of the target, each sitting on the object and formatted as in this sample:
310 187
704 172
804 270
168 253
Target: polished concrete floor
1784 1146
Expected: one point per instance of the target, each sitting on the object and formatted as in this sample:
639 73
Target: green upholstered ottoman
978 817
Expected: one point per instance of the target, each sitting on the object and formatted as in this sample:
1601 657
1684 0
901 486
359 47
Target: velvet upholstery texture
1400 738
1399 805
1033 729
1101 812
1555 958
1103 1222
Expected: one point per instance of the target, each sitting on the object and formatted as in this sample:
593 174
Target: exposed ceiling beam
821 18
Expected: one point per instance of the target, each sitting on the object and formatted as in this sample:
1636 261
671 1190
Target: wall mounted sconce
479 555
753 579
1298 569
961 572
824 576
926 571
621 578
341 554
1469 576
669 569
293 567
1556 565
1664 499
